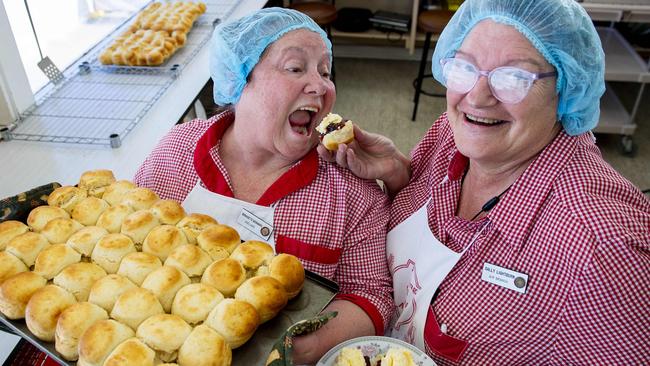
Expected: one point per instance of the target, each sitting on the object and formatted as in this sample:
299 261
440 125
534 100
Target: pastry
105 291
335 130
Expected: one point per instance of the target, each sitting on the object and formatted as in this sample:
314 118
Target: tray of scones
107 273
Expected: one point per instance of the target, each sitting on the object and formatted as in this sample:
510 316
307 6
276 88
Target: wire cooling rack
96 103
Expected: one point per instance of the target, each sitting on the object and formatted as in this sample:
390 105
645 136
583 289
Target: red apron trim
306 251
368 307
457 166
441 344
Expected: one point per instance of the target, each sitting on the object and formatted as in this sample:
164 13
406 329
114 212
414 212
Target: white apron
253 222
418 262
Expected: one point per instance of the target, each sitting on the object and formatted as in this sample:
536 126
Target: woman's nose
481 94
316 84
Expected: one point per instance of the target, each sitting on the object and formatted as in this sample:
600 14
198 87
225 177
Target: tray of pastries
107 273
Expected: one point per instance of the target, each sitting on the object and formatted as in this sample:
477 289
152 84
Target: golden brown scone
219 241
168 212
16 291
57 231
190 259
84 240
140 198
10 265
137 225
110 250
100 339
44 308
265 293
162 240
135 305
66 197
96 181
194 302
10 229
115 192
78 278
131 352
164 333
253 254
88 210
288 269
204 347
41 215
234 320
51 260
334 130
193 224
225 275
136 266
113 217
72 324
105 291
165 282
27 246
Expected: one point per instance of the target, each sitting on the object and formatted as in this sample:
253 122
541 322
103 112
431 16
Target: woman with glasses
512 242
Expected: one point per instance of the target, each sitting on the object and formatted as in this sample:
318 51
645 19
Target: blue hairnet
561 31
236 47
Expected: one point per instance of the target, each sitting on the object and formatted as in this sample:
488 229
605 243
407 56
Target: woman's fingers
341 155
326 154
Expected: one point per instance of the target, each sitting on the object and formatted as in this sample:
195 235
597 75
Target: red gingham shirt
577 228
330 219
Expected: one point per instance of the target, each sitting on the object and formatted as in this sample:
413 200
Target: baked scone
168 212
193 224
136 266
100 339
140 198
234 320
10 265
51 260
252 254
43 310
113 217
190 259
110 250
66 197
265 293
164 333
27 246
10 229
288 269
334 130
194 302
84 240
219 241
137 225
204 347
105 291
225 275
88 210
72 324
131 352
114 193
397 356
350 357
16 291
162 240
78 278
41 215
57 231
134 306
96 181
165 282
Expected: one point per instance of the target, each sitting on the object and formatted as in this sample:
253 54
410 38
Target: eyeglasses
508 84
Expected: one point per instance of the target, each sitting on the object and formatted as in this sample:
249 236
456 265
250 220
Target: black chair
430 21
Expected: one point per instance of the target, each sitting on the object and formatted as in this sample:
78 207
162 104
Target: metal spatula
45 64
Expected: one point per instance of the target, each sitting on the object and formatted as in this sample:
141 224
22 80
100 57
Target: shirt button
443 328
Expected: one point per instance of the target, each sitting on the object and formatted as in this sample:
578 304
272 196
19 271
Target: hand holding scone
335 130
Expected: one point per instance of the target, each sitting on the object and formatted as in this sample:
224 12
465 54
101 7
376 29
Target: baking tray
317 292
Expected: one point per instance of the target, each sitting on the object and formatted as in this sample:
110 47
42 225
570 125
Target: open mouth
482 121
302 119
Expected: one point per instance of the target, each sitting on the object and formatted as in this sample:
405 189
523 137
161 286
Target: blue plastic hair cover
564 35
236 47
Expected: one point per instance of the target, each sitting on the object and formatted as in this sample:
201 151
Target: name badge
505 278
254 224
